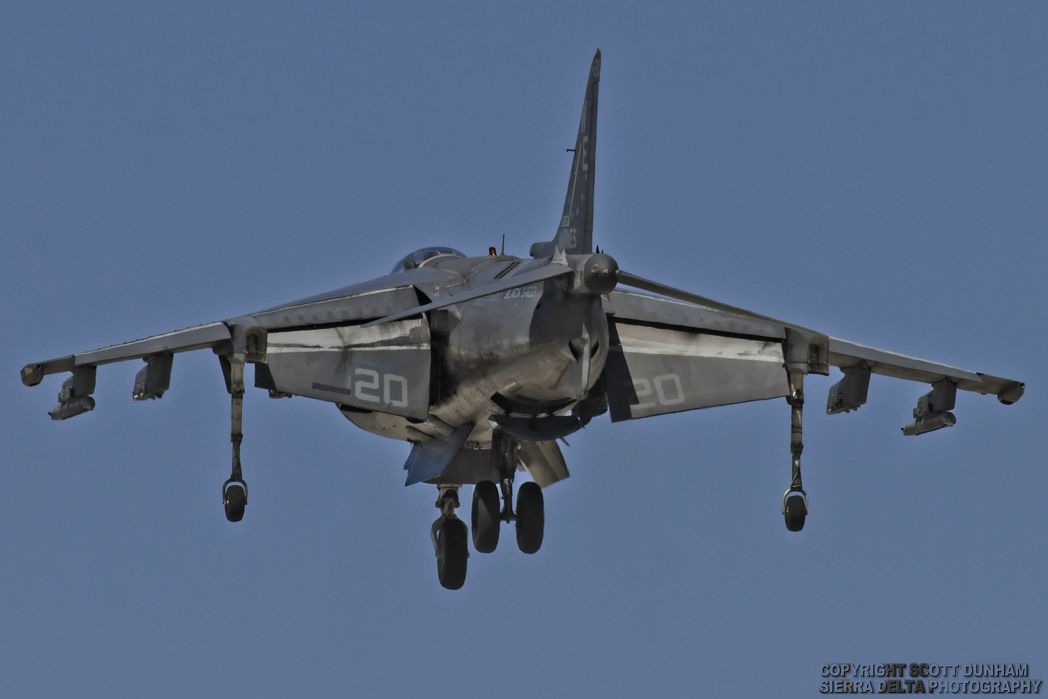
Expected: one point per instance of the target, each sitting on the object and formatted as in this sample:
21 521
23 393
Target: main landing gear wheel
531 518
795 509
486 516
450 542
234 498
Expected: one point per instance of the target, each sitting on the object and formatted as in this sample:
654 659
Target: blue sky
878 171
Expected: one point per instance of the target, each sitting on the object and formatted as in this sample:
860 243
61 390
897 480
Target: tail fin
575 233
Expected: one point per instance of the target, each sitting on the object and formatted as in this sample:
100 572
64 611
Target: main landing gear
488 515
492 505
530 518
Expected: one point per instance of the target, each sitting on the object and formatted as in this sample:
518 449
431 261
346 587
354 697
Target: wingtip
32 374
1011 393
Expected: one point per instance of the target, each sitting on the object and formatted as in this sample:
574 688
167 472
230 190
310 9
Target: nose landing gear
450 538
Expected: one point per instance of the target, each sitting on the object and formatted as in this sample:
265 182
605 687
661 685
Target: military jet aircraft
483 363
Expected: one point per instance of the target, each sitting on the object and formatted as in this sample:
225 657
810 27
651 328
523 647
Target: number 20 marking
367 388
667 391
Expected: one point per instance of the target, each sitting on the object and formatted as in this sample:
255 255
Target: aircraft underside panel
434 463
544 461
467 466
657 370
383 368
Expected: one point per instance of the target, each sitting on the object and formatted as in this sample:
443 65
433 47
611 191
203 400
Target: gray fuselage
533 351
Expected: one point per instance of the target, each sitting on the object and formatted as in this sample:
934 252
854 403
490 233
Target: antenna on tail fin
575 233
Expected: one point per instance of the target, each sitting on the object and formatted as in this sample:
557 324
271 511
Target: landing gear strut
492 505
450 540
234 490
795 500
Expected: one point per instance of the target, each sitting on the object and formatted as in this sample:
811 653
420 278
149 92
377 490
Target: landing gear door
384 368
654 370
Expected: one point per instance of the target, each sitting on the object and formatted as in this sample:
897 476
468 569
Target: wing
852 355
671 356
327 349
196 337
151 382
313 347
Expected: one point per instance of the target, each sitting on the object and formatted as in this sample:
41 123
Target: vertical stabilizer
575 233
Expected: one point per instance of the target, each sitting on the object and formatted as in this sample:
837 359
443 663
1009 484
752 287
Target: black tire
796 512
531 517
234 497
452 553
486 516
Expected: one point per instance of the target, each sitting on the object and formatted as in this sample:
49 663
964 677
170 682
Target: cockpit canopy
422 255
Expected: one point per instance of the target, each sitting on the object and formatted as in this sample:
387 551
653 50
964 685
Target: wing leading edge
196 337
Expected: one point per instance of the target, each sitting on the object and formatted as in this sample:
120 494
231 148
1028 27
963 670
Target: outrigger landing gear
795 500
487 516
234 490
450 540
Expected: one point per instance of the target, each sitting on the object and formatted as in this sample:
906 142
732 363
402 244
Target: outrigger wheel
795 509
234 498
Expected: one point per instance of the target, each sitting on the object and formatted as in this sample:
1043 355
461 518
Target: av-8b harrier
483 363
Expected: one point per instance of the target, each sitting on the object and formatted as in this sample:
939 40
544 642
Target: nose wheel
450 541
